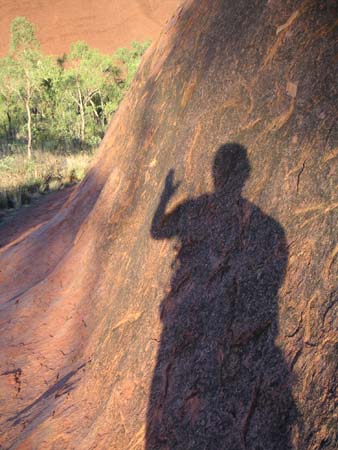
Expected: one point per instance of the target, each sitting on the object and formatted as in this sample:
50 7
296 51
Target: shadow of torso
220 381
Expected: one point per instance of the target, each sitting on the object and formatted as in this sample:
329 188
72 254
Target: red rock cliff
184 296
105 24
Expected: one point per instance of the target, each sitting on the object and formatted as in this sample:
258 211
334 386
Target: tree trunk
29 121
184 298
102 117
29 129
10 134
82 115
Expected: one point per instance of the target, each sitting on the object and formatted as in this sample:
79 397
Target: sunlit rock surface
184 297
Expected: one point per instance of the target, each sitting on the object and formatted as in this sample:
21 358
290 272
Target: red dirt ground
19 223
106 25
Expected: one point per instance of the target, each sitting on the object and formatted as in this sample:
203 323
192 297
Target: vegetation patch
54 111
22 179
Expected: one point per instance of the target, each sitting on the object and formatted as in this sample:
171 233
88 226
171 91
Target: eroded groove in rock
189 299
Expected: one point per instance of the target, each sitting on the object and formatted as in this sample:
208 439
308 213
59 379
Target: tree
26 61
50 94
86 79
67 99
129 60
9 100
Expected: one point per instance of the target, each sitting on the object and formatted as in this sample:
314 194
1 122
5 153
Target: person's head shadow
231 168
220 381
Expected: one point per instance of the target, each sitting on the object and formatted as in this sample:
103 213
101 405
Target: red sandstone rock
185 295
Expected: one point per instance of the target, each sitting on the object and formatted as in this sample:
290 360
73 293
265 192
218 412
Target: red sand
106 24
27 219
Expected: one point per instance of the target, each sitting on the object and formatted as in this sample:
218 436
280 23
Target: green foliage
130 59
11 112
23 36
60 102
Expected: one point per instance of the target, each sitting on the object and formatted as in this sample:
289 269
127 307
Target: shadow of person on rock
220 381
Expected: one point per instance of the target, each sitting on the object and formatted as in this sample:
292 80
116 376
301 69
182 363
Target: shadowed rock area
220 381
185 297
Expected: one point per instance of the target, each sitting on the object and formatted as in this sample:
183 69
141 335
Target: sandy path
23 221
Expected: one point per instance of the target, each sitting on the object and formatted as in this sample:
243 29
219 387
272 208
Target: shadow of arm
165 226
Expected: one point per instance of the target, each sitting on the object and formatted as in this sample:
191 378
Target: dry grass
21 179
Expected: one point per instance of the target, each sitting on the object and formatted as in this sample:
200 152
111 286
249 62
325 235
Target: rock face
185 295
